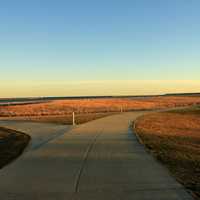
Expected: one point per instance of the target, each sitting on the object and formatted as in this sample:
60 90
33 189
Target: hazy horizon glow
51 48
94 88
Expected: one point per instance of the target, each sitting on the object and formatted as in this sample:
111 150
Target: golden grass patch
174 138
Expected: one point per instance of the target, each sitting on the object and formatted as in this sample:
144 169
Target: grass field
66 107
61 119
12 144
174 138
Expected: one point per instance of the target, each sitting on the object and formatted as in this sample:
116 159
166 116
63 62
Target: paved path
41 133
99 160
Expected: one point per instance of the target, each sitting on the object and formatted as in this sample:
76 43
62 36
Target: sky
92 47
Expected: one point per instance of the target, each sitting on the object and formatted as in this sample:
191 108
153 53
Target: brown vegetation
66 107
174 137
12 144
61 119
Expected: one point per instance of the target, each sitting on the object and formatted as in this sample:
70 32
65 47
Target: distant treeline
26 100
13 103
183 94
7 100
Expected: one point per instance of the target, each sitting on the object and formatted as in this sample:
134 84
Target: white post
73 119
121 109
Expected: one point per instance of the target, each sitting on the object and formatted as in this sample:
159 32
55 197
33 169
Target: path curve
41 133
99 160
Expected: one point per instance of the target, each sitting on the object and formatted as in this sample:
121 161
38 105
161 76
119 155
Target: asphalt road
99 160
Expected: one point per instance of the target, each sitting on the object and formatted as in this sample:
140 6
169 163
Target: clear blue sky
54 40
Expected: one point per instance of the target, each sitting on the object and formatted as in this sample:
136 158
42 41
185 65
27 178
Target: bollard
73 119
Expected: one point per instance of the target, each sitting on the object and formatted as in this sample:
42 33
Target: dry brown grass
174 137
12 144
61 119
66 107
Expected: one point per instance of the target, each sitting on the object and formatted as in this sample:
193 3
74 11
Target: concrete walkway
99 160
41 133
